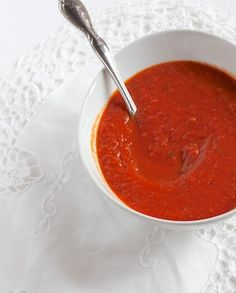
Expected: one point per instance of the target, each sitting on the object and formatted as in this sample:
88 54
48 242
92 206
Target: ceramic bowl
145 52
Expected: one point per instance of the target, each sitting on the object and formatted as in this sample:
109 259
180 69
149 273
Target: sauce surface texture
177 158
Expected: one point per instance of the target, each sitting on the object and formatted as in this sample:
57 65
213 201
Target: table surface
24 24
52 239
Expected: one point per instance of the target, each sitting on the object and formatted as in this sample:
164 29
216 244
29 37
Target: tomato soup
176 159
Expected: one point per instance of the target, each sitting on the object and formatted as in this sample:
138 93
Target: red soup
177 158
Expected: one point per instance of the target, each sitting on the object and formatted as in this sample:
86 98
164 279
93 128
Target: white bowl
147 51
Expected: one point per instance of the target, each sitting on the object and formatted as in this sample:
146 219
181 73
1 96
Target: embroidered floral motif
153 239
18 168
49 208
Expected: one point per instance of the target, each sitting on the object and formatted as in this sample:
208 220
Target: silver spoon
77 14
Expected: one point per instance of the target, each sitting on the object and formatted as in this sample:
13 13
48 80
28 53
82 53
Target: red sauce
177 158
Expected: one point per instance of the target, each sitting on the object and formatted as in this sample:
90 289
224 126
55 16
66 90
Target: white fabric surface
25 23
58 232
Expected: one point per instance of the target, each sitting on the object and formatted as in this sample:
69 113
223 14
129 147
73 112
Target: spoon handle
77 14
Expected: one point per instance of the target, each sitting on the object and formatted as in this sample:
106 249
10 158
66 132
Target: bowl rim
110 195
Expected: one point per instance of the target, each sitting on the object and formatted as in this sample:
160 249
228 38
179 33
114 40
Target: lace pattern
29 85
36 75
19 168
223 276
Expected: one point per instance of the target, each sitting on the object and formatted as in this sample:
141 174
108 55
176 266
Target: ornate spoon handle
77 14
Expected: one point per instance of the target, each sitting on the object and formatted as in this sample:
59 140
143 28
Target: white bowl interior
145 52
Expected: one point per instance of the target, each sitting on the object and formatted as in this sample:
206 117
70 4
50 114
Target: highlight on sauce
176 159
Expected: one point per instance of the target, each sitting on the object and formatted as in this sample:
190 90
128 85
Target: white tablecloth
58 233
24 24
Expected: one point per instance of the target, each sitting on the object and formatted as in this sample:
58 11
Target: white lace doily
58 234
